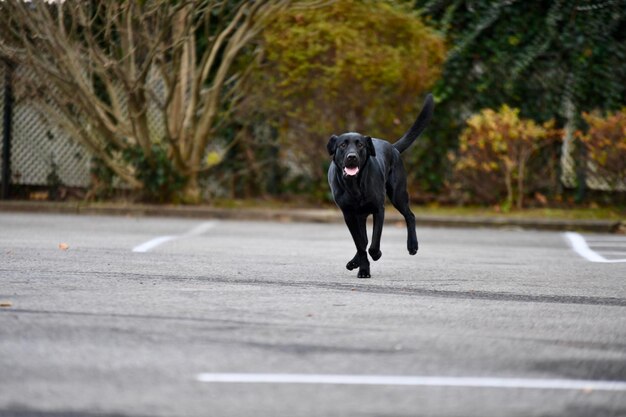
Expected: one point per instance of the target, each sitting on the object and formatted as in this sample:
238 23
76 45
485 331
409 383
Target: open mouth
350 171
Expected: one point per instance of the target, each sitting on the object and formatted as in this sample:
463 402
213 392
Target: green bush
162 182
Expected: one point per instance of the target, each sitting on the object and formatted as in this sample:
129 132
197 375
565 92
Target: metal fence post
7 129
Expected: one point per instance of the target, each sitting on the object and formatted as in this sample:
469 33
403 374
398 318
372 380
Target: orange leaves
500 143
605 141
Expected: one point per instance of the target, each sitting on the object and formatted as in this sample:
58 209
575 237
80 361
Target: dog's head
350 152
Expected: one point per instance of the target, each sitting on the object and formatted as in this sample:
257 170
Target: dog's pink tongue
351 171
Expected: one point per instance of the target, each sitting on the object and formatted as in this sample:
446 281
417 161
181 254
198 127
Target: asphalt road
479 323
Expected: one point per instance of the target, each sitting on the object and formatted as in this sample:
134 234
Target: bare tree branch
103 67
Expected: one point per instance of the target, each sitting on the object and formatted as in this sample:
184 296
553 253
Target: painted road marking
580 246
418 381
153 243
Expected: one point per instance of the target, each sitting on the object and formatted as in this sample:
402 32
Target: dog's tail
418 127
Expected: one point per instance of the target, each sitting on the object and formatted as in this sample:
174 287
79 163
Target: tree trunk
191 192
508 180
521 170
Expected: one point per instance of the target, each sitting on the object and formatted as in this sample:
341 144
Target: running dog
362 171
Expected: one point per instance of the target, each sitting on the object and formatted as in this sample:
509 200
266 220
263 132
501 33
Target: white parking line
581 247
423 381
153 243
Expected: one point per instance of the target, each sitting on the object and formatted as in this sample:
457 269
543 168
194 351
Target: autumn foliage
347 66
495 149
605 141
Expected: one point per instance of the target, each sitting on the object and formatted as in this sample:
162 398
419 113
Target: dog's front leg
379 220
358 230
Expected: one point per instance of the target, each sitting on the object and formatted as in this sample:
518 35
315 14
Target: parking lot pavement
123 316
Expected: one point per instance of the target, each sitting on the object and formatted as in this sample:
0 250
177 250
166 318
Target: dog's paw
412 247
375 253
353 264
364 273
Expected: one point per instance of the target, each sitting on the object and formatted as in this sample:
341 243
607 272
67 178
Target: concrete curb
306 215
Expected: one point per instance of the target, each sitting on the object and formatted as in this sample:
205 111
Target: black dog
362 171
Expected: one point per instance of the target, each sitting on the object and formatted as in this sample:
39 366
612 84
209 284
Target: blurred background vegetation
208 100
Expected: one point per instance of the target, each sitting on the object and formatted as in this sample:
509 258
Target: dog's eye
343 145
359 145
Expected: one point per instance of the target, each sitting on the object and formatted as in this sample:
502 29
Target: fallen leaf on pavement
6 304
64 246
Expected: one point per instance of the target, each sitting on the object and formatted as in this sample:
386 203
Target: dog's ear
371 151
332 145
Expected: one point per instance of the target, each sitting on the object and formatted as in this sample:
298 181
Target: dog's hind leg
356 225
402 204
397 193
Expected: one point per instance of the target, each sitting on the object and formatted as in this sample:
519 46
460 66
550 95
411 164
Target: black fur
362 172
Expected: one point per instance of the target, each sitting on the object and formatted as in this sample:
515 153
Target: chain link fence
41 153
